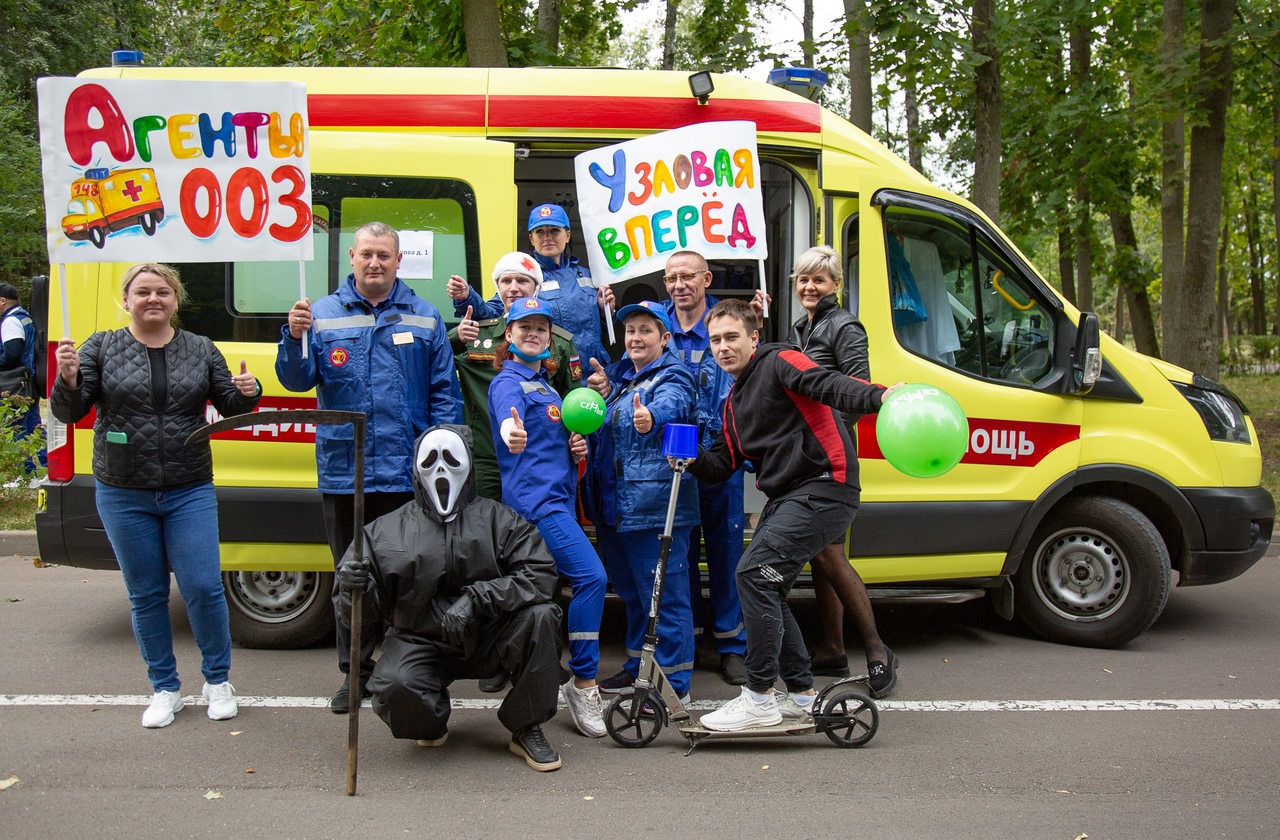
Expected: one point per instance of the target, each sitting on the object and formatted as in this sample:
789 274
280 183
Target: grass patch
1261 393
17 509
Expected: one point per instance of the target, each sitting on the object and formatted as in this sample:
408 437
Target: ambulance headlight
1222 411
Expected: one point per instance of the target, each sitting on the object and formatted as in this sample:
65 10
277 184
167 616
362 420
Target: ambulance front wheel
279 610
149 223
97 237
1097 574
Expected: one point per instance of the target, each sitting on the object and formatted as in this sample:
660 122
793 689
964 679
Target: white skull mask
443 465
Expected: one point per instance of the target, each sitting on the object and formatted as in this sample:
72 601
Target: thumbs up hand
599 381
245 382
517 438
643 419
468 329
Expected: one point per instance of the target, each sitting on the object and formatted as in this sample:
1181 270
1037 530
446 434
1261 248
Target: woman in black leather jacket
150 383
832 336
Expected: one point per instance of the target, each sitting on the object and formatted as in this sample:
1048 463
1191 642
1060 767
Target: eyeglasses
681 278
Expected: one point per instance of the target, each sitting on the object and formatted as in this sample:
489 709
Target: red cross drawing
132 189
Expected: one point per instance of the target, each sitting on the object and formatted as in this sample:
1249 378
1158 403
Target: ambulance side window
439 236
992 327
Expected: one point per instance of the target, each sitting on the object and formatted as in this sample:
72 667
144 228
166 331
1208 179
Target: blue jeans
632 560
153 532
577 562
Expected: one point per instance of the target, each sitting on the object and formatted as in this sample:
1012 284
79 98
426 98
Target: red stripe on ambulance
1013 443
283 432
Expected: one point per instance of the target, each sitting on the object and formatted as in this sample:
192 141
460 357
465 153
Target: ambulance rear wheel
97 237
1098 574
279 610
149 223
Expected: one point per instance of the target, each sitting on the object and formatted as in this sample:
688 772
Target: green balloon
583 411
922 431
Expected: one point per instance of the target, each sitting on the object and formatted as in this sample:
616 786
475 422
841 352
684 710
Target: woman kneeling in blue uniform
536 459
629 483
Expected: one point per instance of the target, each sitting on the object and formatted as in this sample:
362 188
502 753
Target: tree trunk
669 36
1081 46
1120 326
1253 238
1195 346
549 23
807 45
915 143
1066 264
986 129
1172 185
1224 285
1131 288
483 31
1275 187
857 25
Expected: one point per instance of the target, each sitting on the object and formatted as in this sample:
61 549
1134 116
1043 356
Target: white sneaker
743 713
790 709
164 705
222 700
586 708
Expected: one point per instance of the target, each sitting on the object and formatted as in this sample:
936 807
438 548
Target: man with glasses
687 278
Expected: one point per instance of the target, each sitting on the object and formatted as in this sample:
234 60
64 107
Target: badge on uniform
338 356
402 338
575 368
550 285
553 413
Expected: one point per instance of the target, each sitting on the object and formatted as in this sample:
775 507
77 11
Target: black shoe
340 702
531 745
838 667
883 677
494 684
619 683
733 669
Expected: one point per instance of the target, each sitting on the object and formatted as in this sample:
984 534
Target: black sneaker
531 745
733 669
619 683
494 684
883 677
340 702
837 667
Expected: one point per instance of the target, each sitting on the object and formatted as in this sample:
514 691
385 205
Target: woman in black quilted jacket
150 383
832 336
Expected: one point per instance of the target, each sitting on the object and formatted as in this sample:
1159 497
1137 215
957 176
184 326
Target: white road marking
249 700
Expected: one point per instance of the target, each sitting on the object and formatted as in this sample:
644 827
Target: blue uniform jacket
28 357
542 479
573 307
359 362
693 348
628 479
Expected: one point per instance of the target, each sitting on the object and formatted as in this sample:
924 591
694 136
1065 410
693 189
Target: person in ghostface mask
464 587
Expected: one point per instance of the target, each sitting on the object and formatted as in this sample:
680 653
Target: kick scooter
847 716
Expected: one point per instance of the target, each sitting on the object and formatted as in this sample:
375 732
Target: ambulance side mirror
1086 355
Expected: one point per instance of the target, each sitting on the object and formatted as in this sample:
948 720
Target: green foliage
21 195
16 453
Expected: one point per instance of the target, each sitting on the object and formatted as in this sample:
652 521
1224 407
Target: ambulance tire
97 236
279 610
1098 574
148 223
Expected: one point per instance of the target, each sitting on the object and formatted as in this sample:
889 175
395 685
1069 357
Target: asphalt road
991 734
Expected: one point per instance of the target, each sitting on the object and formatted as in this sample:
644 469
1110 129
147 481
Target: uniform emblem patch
553 412
338 356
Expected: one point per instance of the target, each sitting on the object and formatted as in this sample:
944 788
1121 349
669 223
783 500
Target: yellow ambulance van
1095 477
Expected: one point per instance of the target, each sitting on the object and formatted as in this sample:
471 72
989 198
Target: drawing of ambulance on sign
104 201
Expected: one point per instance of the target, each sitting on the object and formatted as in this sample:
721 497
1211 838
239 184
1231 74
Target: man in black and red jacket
781 416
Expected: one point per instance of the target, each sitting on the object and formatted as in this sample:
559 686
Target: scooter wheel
635 719
861 718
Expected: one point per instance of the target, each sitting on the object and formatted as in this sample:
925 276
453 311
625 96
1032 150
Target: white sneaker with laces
743 713
790 709
164 705
222 700
586 708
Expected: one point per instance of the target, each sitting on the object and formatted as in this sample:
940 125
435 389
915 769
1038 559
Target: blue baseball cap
648 307
524 307
548 215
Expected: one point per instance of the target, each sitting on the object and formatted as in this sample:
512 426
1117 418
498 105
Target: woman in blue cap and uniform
537 458
628 484
576 304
